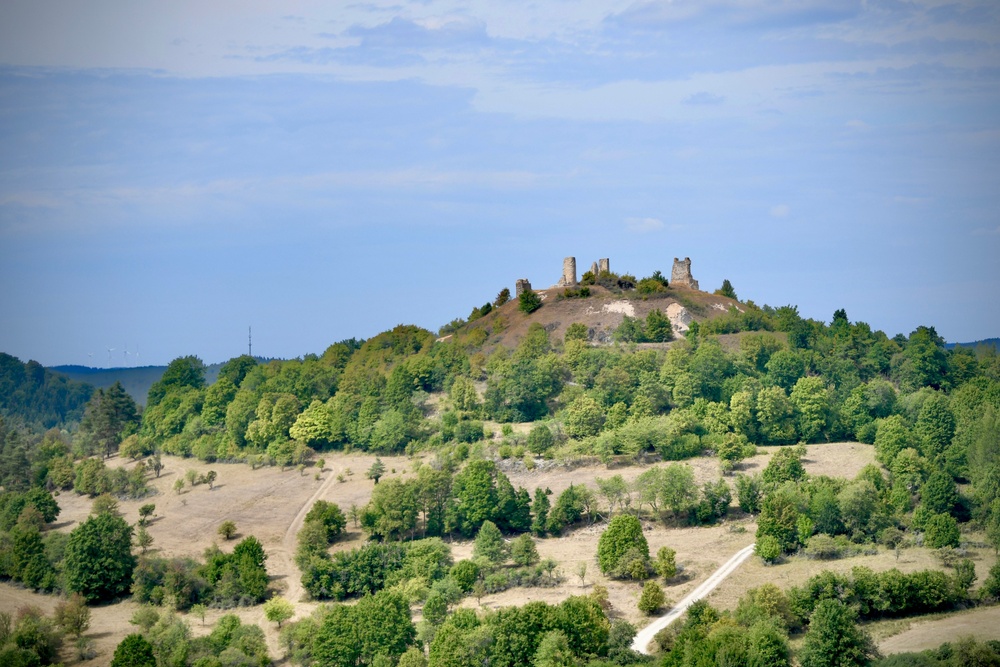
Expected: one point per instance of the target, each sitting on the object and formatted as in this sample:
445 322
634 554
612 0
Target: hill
37 396
986 342
136 381
602 312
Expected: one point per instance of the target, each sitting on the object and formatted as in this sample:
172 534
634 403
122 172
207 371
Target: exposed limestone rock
680 318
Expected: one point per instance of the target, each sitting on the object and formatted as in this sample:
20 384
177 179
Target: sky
174 173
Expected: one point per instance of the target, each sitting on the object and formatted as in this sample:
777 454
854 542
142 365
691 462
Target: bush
623 534
529 301
540 439
768 548
652 599
941 530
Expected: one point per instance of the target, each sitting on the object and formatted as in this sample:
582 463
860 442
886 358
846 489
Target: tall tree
181 372
99 560
834 638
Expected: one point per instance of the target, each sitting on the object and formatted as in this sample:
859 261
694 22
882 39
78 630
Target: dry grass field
271 504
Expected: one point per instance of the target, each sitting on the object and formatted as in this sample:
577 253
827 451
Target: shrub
540 439
652 599
623 533
768 548
941 530
529 301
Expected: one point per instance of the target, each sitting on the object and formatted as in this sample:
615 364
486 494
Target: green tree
278 610
652 598
749 491
329 516
523 551
727 290
678 490
941 530
99 561
811 400
529 301
73 615
227 529
110 416
576 331
392 512
503 296
768 548
489 544
540 439
658 328
134 651
666 563
624 533
939 493
584 417
540 511
834 639
376 470
785 465
779 519
181 372
554 651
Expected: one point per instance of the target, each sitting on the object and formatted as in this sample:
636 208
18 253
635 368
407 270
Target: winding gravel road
645 636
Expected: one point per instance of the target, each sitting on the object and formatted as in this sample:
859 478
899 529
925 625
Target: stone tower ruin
568 278
604 265
522 285
680 275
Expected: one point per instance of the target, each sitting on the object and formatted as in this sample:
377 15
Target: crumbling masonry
680 275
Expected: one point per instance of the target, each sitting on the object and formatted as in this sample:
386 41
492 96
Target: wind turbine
125 355
90 356
110 350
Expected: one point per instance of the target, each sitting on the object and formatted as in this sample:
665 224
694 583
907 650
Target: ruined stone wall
680 275
604 265
522 285
568 278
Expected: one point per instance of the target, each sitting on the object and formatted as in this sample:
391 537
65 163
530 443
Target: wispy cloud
643 225
704 97
780 211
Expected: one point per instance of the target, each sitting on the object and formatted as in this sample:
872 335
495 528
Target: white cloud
643 225
780 211
987 232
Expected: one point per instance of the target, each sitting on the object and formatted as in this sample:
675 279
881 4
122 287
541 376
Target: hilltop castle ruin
680 275
568 278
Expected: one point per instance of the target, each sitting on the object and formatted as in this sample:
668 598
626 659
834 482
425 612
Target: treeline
379 630
39 398
790 380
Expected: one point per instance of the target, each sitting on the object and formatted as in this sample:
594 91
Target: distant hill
39 397
986 342
136 381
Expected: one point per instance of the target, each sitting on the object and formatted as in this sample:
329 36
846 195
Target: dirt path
645 636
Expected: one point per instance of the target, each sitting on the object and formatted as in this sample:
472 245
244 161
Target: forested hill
37 397
135 381
986 342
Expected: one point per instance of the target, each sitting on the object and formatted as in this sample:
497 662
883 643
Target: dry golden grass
271 504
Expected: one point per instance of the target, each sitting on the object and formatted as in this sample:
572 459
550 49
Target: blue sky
174 172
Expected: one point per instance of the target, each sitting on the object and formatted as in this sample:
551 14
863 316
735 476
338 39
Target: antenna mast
250 341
